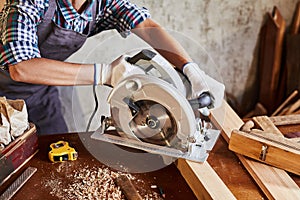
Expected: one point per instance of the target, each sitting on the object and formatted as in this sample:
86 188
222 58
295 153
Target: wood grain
127 188
203 180
286 120
280 152
295 26
267 125
274 182
271 44
292 52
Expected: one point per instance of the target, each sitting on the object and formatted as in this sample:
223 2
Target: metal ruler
18 183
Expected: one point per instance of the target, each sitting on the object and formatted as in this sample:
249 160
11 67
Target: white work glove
202 83
115 72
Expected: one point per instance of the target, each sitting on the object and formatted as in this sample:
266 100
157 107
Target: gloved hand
115 72
202 83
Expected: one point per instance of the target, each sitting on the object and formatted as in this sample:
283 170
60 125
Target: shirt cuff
17 51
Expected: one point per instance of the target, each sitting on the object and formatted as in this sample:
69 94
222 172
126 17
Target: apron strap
51 9
91 24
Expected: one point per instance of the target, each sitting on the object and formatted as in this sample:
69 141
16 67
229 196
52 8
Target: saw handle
145 54
204 100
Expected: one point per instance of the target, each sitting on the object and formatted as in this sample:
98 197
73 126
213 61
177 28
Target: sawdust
91 183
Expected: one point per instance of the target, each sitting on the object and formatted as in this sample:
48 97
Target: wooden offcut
127 188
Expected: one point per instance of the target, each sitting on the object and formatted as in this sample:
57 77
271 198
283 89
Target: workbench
177 184
221 159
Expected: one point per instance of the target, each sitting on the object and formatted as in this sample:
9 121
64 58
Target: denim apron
43 104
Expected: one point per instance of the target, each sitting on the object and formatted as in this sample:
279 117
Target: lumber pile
274 182
278 66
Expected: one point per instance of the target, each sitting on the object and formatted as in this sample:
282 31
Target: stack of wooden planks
206 184
278 63
274 182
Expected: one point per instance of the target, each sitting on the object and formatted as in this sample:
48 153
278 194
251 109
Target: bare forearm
163 42
52 72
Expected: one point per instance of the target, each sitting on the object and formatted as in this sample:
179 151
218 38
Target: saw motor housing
151 112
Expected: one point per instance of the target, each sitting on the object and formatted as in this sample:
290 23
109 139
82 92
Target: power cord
95 109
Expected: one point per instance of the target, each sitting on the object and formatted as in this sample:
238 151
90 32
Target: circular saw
153 112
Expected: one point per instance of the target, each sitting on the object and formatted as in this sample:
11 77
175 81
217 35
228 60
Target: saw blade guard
149 109
156 65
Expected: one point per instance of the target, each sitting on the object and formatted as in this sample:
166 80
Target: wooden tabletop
223 161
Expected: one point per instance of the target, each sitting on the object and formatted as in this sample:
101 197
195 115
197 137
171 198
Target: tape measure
61 151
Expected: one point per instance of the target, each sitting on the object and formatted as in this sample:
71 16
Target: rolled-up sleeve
121 15
18 27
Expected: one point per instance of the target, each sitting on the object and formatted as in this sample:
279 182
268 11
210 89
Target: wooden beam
285 120
274 182
203 180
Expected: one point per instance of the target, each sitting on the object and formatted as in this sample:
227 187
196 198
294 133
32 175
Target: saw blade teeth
153 123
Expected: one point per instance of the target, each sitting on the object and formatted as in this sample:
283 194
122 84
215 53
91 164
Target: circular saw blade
154 123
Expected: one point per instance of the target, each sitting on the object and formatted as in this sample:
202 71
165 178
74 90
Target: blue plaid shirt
19 20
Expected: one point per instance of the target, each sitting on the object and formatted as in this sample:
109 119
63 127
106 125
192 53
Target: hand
202 83
116 71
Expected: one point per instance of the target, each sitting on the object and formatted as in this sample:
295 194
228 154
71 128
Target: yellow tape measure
61 151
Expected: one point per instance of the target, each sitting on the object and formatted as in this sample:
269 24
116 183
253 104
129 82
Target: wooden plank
286 120
290 109
274 182
271 44
203 180
292 62
295 26
292 52
267 125
285 103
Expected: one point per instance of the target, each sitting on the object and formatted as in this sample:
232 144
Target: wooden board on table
203 180
274 182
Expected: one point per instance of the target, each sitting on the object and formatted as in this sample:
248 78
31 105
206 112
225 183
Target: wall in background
227 29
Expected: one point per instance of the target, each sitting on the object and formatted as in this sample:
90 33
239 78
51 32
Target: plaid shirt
19 20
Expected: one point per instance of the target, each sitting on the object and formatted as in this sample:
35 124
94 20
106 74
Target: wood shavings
94 183
152 196
91 183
